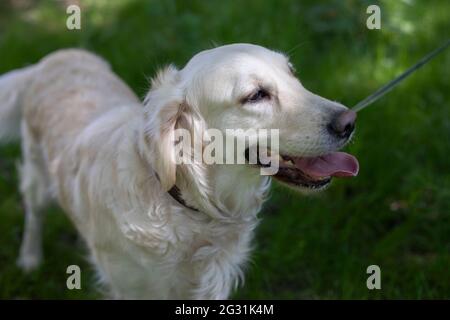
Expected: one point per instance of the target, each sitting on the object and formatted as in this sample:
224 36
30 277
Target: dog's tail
12 88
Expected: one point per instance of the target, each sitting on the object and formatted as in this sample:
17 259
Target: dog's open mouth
315 172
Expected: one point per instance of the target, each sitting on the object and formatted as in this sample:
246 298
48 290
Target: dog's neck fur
224 192
235 192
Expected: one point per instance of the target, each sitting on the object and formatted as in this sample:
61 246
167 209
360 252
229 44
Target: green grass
395 214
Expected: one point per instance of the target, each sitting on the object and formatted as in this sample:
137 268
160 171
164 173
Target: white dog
156 229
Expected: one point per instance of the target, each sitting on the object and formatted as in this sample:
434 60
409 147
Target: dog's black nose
343 124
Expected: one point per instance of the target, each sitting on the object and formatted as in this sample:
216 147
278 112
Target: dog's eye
259 95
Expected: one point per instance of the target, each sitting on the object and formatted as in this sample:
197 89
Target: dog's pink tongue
336 164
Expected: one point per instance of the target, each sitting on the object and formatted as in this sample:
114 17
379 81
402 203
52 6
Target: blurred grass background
395 214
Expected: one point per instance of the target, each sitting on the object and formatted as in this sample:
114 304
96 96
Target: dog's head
245 86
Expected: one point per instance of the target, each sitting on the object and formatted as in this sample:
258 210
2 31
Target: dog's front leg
215 277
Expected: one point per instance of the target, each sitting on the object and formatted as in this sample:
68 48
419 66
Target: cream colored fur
89 143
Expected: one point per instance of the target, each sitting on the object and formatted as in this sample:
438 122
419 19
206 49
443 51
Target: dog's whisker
294 48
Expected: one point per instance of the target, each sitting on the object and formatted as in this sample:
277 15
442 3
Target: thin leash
393 83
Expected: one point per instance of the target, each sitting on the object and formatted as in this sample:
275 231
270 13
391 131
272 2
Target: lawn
395 214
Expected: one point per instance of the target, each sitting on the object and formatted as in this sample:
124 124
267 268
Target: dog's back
69 89
52 105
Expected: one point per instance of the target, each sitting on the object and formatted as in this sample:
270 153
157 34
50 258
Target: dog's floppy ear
166 109
162 108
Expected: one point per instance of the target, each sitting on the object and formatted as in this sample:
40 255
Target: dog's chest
214 256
